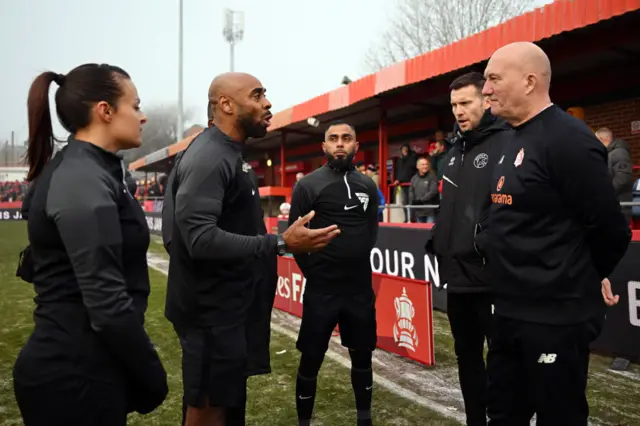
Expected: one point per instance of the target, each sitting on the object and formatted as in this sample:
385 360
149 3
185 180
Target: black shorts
354 313
214 363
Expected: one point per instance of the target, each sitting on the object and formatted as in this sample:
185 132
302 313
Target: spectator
620 167
423 191
13 191
153 190
621 170
372 172
381 203
299 176
437 158
405 169
162 182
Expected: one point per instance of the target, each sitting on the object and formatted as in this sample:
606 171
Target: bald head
239 104
230 84
528 58
604 135
518 81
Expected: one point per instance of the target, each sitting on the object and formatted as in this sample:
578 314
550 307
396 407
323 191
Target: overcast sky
298 48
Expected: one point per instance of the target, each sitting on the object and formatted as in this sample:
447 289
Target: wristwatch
281 247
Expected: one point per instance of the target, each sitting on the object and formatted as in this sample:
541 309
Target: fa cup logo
404 333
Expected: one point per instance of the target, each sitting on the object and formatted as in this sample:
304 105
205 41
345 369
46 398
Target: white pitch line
385 383
159 264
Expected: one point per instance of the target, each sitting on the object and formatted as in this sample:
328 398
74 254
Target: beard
340 164
250 127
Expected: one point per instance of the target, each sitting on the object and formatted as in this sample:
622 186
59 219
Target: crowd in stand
13 191
419 177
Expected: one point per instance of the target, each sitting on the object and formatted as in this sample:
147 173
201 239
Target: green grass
613 399
271 397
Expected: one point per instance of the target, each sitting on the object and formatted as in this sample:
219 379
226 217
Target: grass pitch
614 399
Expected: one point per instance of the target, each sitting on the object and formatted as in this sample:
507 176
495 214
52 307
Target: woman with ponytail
89 360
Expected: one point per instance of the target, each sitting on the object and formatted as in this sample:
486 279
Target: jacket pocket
478 234
466 249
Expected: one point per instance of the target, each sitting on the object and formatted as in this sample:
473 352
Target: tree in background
159 132
420 26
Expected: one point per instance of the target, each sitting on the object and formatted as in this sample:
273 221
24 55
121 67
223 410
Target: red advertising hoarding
403 310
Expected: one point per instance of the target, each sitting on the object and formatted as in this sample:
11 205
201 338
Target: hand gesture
300 239
607 294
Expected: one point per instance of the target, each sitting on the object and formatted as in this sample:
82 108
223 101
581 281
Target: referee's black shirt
348 199
556 228
89 240
218 233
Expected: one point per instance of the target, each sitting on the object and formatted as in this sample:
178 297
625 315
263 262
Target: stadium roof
553 19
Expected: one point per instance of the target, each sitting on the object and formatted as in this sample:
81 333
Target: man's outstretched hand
300 239
607 294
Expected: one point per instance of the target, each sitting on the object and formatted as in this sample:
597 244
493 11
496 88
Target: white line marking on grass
386 383
159 264
628 374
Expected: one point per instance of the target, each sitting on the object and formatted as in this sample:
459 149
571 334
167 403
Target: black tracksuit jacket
555 228
223 264
348 199
88 241
465 203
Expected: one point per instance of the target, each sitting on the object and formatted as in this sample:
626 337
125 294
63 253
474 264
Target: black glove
25 269
146 399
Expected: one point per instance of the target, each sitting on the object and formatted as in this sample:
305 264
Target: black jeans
539 368
471 323
408 215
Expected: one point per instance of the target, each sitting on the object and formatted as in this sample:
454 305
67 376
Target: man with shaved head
556 231
222 269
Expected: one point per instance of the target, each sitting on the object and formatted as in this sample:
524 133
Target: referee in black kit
220 257
555 232
339 288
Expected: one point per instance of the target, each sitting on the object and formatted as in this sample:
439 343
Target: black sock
305 398
235 416
362 383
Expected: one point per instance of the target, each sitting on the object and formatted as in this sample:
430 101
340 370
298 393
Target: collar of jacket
488 125
111 161
219 136
429 174
108 158
350 168
619 143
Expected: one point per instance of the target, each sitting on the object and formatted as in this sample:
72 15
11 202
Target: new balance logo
547 358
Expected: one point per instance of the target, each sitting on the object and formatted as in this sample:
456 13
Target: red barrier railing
11 205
